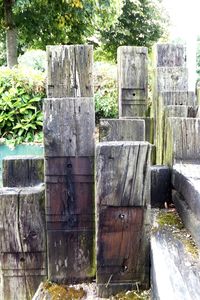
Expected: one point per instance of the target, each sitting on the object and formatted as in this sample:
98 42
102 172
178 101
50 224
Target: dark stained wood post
22 242
133 81
69 126
122 199
22 171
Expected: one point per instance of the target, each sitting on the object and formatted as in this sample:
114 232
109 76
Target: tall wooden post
133 81
123 198
69 125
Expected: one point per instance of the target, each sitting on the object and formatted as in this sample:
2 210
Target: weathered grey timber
149 127
186 180
175 270
133 80
69 125
22 242
70 71
160 186
121 130
23 171
172 79
179 98
189 219
170 55
182 140
122 173
176 111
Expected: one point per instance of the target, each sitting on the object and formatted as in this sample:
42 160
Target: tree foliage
141 23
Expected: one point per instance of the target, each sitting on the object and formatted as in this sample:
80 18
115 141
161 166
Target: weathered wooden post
22 242
133 81
170 88
69 125
123 198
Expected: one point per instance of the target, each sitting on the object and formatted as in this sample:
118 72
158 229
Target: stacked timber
69 125
171 97
22 223
122 199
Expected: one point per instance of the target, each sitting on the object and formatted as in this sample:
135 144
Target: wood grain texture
22 241
190 220
122 173
22 171
122 243
186 180
182 140
70 218
121 130
133 80
172 79
170 55
149 127
69 125
179 98
176 111
175 271
70 71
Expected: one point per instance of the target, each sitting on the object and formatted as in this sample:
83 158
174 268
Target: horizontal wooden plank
69 125
133 95
23 261
70 71
70 256
22 171
22 222
179 98
123 177
122 130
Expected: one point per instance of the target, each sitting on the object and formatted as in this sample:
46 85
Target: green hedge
21 94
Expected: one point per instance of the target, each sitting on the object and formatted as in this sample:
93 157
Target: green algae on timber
132 295
169 218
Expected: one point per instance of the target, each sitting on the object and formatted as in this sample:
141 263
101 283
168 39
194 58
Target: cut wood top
70 71
122 177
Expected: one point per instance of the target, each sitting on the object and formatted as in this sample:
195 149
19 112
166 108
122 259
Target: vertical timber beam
133 81
69 125
122 199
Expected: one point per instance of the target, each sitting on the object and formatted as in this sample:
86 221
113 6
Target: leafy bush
21 94
105 83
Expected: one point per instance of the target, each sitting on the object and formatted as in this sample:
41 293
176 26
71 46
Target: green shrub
105 84
21 93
